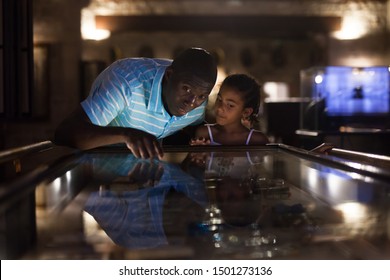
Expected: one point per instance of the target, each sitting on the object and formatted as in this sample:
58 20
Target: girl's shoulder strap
208 125
259 139
248 139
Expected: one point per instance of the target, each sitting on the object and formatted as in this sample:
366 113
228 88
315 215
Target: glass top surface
223 204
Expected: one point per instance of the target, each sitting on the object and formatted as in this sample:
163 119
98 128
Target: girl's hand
324 148
199 141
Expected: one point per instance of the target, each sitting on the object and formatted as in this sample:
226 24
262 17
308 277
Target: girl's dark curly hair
250 90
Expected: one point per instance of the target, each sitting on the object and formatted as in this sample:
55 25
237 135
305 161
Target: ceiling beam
274 26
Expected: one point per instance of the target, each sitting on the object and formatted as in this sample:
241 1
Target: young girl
237 103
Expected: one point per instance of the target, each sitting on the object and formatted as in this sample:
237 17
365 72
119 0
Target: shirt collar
155 100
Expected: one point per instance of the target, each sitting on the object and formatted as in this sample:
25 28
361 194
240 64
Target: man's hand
143 145
77 131
146 173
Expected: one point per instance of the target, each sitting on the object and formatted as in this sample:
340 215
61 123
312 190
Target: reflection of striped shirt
134 218
128 94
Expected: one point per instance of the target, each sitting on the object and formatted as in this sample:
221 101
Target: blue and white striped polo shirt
128 94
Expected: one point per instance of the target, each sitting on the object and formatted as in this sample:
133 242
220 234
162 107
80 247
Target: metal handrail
374 159
17 152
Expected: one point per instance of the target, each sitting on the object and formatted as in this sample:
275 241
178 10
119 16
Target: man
137 101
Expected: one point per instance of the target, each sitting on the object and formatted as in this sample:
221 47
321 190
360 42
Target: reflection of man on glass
133 217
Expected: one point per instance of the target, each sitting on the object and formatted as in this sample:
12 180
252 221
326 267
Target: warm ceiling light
88 27
353 27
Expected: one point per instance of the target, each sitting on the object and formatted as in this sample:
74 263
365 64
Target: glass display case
345 96
205 202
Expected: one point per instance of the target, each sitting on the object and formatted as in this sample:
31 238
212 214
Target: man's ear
168 73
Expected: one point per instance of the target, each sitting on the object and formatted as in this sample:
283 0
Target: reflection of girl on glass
239 207
236 108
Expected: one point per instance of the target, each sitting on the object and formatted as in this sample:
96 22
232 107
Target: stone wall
57 26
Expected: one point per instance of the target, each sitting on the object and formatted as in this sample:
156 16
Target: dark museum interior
324 71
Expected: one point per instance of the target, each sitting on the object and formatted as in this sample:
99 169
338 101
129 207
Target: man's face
181 97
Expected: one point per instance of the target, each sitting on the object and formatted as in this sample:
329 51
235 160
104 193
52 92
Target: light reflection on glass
54 195
56 185
335 185
353 212
363 167
359 219
92 231
312 177
68 176
213 218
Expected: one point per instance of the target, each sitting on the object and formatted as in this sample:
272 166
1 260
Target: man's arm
77 131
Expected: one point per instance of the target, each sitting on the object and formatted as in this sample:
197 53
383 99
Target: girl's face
229 106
